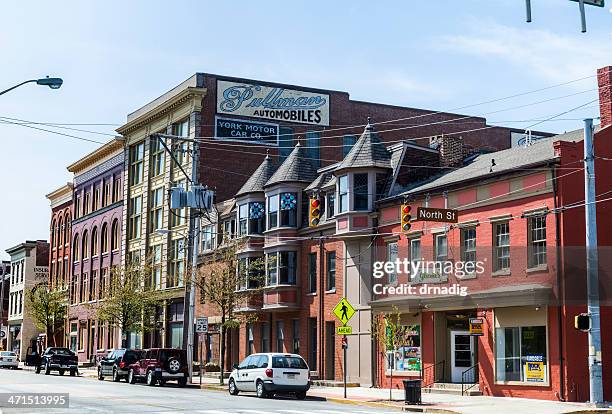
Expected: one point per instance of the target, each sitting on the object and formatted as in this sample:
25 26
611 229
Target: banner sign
277 103
476 326
534 368
260 132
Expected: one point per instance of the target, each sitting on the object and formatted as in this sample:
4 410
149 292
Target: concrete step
451 388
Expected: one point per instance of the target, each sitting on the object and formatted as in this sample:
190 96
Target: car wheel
174 365
261 392
233 390
301 395
151 379
131 377
47 368
115 376
100 376
61 372
182 382
73 372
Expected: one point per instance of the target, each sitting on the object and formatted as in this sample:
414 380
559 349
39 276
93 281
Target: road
88 395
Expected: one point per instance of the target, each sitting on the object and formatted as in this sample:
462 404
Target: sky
115 56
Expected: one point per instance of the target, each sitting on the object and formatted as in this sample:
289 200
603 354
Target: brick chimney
451 149
604 80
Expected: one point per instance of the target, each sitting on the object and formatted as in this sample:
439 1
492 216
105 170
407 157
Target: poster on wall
534 368
242 130
408 357
272 102
476 326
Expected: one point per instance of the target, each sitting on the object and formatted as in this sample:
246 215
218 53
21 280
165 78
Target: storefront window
521 354
407 357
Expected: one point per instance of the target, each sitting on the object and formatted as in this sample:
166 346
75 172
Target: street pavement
88 395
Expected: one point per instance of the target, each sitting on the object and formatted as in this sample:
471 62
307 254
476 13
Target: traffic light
406 217
582 322
314 215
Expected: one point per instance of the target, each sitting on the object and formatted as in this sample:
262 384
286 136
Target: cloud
542 53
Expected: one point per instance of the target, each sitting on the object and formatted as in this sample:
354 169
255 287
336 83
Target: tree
389 335
226 283
128 302
47 308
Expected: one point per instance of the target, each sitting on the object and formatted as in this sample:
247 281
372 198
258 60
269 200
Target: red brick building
519 216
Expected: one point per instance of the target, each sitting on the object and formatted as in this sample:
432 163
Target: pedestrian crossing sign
344 311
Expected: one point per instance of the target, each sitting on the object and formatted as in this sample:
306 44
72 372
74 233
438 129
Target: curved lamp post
53 83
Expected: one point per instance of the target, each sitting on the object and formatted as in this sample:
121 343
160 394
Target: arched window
85 248
75 248
67 225
104 239
115 235
60 232
53 234
94 242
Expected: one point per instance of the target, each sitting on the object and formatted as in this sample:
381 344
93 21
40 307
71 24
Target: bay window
282 210
360 191
256 218
343 193
281 268
243 219
250 273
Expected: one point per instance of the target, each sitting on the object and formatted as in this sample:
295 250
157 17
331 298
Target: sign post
344 311
201 329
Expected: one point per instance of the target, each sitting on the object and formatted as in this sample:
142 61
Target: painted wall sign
476 326
443 215
277 103
239 129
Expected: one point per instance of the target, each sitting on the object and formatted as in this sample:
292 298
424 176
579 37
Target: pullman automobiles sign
279 104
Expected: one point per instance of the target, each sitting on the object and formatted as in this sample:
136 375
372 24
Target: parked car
160 365
117 363
9 359
271 373
58 359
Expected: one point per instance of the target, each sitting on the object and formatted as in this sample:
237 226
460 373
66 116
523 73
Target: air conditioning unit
178 197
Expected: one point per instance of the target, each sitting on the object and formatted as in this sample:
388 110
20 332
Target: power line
54 132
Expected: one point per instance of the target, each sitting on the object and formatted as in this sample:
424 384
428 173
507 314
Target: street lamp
53 83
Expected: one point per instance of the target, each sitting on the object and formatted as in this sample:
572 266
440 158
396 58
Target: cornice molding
96 156
193 94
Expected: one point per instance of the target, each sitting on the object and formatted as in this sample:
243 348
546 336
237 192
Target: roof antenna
528 138
492 165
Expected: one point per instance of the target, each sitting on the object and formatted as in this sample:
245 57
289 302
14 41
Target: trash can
412 391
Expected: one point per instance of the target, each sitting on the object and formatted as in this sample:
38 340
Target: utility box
178 197
200 197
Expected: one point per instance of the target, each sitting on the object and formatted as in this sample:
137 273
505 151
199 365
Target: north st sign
443 215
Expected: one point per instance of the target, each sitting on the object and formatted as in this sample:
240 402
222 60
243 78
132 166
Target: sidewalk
433 403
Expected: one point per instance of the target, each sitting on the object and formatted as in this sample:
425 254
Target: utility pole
595 369
194 264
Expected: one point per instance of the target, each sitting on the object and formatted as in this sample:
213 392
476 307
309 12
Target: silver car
8 359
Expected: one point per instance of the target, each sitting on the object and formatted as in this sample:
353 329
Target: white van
271 373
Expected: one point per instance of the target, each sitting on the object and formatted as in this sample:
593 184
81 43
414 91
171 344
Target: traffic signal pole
594 333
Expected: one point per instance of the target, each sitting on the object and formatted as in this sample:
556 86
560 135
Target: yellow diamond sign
344 311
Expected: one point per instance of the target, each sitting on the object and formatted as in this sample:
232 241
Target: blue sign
264 133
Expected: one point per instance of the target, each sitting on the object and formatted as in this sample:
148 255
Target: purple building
96 247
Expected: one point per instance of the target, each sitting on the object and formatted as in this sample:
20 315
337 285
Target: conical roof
256 182
368 151
296 168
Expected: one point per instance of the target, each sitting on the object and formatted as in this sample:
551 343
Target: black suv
117 363
58 359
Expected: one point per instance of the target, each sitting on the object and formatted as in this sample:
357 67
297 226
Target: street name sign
598 3
202 325
443 215
344 311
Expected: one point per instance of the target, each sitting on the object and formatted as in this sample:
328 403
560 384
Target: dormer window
330 205
243 219
354 192
282 210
